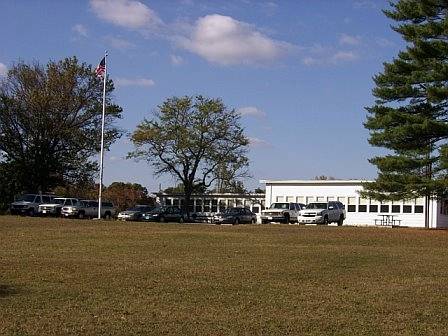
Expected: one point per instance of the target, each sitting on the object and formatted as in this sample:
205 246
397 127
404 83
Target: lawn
73 277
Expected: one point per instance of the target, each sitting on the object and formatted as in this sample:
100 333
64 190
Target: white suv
323 213
282 212
28 204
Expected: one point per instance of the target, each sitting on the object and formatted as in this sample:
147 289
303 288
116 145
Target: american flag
101 68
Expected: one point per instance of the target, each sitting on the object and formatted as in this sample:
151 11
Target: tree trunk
188 190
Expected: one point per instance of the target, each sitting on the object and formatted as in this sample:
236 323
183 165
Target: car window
46 199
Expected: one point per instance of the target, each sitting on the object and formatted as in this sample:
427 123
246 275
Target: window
46 199
176 202
395 208
362 208
289 199
418 209
373 208
351 200
168 201
407 208
255 209
300 199
351 208
214 208
279 199
320 199
341 199
292 206
384 208
198 208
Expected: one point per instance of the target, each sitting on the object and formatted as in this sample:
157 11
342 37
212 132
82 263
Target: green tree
189 138
410 117
126 195
50 123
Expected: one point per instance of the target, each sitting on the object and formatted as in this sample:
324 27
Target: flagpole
102 136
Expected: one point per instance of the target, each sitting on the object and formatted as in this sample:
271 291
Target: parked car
55 206
28 204
282 212
89 209
135 213
235 216
323 213
165 214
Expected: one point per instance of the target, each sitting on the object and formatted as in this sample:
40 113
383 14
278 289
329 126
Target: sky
298 71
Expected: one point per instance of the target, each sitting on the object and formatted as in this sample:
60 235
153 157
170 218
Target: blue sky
300 72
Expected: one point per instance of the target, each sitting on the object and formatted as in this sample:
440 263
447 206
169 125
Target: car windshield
26 198
158 210
136 209
231 211
279 206
317 206
59 200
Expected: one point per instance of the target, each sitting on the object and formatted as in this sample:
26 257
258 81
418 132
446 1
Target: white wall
348 193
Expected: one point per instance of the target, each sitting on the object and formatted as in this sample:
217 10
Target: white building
214 202
360 211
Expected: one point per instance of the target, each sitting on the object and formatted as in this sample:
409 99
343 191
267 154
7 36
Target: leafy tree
409 117
259 191
189 138
50 123
126 195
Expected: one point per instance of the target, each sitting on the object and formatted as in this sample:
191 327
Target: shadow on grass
6 290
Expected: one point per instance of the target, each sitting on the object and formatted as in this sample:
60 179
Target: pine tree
410 115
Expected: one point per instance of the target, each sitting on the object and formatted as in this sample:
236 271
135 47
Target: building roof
316 182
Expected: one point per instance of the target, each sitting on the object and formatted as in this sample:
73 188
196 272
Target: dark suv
164 214
235 216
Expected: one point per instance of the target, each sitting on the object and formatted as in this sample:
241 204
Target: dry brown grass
71 277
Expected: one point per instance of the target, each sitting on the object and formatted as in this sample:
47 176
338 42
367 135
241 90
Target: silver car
135 213
89 209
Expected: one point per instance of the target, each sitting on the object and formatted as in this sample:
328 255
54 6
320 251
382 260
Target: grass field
72 277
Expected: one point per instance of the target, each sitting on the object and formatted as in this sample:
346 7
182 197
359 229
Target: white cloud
80 30
134 82
344 56
251 111
257 142
118 43
359 4
126 13
224 40
349 39
383 42
3 70
176 59
319 55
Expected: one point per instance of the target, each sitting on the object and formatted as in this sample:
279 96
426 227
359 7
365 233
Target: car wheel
286 218
341 220
181 220
326 220
236 221
107 216
81 215
31 212
253 221
162 219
